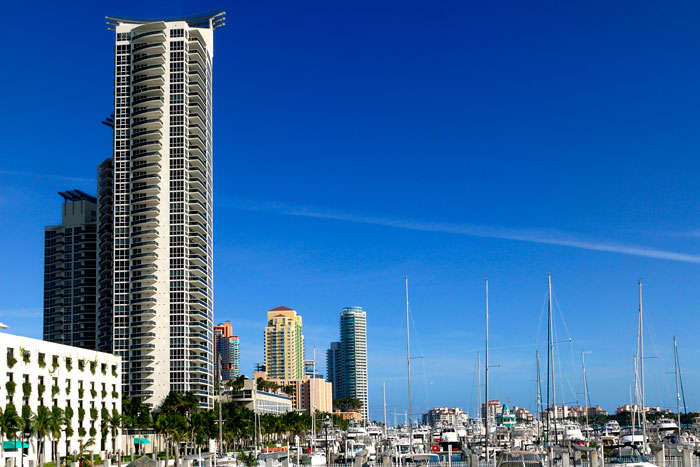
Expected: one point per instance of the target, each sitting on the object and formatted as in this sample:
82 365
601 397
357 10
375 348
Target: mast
585 387
641 368
312 404
550 357
486 369
678 392
384 394
408 367
221 423
538 409
478 383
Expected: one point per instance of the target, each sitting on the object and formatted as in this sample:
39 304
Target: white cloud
531 236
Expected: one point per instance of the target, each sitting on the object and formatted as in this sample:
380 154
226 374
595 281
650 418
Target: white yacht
631 437
449 437
664 425
355 430
611 428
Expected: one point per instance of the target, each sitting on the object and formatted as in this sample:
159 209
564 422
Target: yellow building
284 344
307 394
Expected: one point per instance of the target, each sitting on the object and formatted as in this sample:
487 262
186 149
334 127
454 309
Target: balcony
140 123
151 209
144 267
148 178
149 221
149 37
148 112
147 98
146 156
149 47
146 79
148 58
147 255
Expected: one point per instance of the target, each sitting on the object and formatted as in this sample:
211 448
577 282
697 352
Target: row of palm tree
180 425
50 423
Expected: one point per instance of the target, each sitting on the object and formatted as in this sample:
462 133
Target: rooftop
212 19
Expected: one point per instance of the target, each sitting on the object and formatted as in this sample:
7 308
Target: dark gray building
69 273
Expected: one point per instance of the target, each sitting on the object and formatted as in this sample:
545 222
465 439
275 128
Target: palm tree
10 423
114 423
55 426
42 429
177 430
28 426
83 456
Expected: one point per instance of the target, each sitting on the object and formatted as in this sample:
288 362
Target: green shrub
54 390
10 386
27 389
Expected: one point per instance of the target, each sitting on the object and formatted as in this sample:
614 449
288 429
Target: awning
14 445
141 441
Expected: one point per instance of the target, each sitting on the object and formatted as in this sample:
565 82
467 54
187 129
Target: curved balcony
197 226
194 76
147 144
146 279
148 58
145 245
155 69
196 247
140 346
146 233
149 221
147 177
143 210
196 129
197 117
142 289
153 112
145 188
147 98
148 335
142 91
147 123
197 161
149 37
144 267
148 312
149 47
145 255
146 79
196 97
146 156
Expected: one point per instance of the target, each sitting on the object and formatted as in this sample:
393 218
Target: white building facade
84 384
162 319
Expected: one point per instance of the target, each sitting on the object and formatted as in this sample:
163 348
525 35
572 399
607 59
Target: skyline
456 151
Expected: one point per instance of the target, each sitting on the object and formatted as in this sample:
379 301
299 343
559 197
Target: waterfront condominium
162 287
347 360
284 344
69 273
227 352
334 368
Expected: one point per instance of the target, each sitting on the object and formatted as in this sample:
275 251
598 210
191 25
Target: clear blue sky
357 142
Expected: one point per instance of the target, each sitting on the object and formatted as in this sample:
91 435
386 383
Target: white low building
82 383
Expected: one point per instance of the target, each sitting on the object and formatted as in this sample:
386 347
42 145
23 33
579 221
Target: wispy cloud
17 173
548 237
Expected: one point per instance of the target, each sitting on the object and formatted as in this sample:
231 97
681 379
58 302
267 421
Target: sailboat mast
678 393
408 367
478 384
585 387
538 409
384 394
486 369
551 354
641 367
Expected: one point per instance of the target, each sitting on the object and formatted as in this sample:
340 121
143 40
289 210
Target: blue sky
356 143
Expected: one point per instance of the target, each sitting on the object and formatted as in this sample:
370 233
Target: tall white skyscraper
353 357
162 311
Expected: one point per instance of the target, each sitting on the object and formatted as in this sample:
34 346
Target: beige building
307 392
284 344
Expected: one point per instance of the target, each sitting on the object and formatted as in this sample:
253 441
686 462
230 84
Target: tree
28 426
237 383
10 423
114 423
42 429
55 427
347 403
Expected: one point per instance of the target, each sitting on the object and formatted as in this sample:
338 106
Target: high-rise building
105 255
227 352
284 344
69 273
334 368
347 360
162 207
